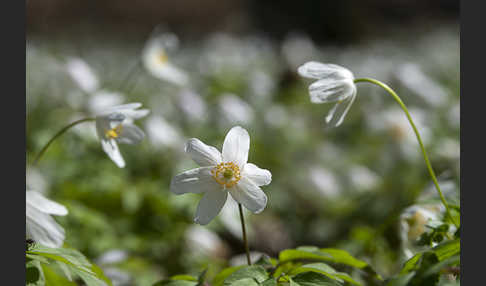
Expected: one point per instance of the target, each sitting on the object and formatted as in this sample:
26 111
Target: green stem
419 139
58 134
245 241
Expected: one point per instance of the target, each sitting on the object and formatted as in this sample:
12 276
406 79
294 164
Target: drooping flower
334 84
156 61
221 173
115 125
40 226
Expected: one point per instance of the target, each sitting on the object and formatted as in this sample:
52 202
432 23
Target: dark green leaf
258 273
313 279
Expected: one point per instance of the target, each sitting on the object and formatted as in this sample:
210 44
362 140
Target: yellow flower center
114 132
226 174
162 57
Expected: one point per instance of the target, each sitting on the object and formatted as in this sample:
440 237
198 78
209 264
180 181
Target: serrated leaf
325 269
312 279
245 282
175 283
269 282
221 276
256 272
74 262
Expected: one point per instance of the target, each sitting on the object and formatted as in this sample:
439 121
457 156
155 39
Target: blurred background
202 67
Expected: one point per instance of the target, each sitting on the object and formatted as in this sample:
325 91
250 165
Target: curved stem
244 235
58 134
419 139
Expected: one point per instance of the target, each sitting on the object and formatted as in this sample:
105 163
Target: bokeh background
344 187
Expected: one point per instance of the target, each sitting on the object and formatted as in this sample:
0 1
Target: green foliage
425 268
69 261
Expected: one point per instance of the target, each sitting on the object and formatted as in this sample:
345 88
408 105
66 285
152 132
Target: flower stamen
226 174
114 132
162 57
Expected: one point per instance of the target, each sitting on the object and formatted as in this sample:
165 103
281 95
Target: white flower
157 62
235 110
115 125
334 84
221 173
162 133
40 226
82 74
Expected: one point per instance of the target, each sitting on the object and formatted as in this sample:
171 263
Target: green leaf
175 283
221 276
401 280
443 251
327 255
303 253
325 269
245 282
74 262
256 272
312 279
447 249
183 277
54 279
269 282
34 276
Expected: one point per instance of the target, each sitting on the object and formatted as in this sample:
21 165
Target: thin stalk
58 134
245 240
419 139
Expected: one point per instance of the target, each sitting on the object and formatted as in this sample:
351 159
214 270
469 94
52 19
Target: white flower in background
192 105
235 110
103 99
411 75
395 123
413 222
240 259
362 178
161 132
325 181
298 48
82 74
156 61
334 84
202 241
115 125
221 173
40 226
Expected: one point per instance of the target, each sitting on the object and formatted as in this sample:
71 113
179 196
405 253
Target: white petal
130 134
111 149
197 181
42 228
124 107
201 153
330 90
236 146
339 111
319 70
210 205
135 114
260 177
38 201
249 194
